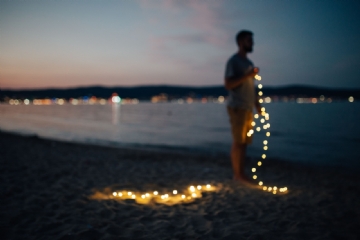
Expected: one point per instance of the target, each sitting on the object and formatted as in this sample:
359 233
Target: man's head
244 40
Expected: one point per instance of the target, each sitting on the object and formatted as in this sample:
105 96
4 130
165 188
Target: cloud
192 25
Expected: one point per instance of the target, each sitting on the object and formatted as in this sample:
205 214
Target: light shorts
240 120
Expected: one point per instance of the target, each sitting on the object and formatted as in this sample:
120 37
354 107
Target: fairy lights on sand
193 192
170 198
263 118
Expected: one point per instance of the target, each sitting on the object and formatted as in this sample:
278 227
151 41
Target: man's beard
248 49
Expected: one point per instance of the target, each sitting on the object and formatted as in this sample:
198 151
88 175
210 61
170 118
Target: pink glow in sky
126 43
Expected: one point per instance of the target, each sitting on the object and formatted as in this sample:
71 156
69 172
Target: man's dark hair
241 35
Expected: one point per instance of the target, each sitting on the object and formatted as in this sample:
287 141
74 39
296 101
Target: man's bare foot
246 180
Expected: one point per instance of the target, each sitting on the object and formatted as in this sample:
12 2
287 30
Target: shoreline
47 185
181 150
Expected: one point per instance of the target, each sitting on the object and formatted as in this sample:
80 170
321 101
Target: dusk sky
128 43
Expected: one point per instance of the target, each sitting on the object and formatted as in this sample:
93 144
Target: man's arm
233 82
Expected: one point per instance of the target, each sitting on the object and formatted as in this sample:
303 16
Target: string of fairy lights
188 195
193 192
263 118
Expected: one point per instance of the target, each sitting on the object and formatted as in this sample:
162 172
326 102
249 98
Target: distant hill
146 92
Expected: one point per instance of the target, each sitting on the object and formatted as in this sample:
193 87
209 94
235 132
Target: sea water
325 133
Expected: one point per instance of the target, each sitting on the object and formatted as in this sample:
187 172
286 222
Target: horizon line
167 85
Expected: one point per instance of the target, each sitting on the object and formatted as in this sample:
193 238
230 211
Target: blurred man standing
239 81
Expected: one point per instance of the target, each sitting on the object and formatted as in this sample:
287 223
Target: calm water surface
318 133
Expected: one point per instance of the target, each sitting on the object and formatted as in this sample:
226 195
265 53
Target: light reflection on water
319 133
115 113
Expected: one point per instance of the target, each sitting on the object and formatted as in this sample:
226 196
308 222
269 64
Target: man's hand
231 83
254 72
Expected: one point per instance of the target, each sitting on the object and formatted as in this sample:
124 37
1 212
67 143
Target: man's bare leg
238 154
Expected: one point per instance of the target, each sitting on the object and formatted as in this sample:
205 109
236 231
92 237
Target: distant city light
74 101
221 99
60 101
115 99
135 101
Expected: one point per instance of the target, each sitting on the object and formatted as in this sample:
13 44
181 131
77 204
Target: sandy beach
46 189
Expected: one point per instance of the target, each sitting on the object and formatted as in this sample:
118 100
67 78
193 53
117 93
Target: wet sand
46 189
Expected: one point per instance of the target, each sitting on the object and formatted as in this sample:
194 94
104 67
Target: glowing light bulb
248 134
263 156
182 196
166 195
253 169
192 188
269 189
274 192
142 196
262 120
263 109
114 193
268 134
120 194
254 177
129 193
251 131
133 196
156 193
265 148
147 195
264 188
261 101
275 188
260 93
208 185
261 183
258 129
265 142
268 125
193 195
259 163
175 192
253 124
260 86
198 187
256 115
